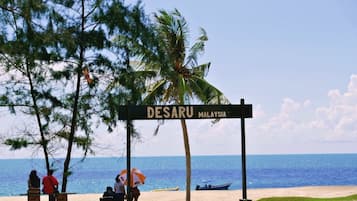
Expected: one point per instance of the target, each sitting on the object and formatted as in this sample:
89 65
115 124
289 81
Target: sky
294 61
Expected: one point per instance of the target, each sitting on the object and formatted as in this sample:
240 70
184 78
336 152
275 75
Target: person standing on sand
50 185
119 189
135 192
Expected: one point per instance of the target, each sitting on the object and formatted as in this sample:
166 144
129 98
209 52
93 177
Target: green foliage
181 79
64 70
133 34
16 143
59 58
347 198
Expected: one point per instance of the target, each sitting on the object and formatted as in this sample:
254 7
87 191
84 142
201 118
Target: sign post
152 112
128 157
244 169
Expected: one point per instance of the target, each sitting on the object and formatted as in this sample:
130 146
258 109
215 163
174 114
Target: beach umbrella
136 177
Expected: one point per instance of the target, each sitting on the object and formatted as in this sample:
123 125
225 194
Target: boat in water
214 187
166 189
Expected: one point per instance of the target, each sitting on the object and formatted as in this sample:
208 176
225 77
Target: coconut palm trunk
188 159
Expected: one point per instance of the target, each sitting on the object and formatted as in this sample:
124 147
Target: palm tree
180 78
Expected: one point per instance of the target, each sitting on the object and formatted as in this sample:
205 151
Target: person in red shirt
50 185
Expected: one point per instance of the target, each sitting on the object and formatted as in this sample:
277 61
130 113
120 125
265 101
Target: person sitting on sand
50 185
109 192
34 180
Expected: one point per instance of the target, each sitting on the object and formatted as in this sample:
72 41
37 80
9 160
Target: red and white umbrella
136 177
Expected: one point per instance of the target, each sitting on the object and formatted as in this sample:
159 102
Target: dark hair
117 178
34 180
33 173
109 188
50 171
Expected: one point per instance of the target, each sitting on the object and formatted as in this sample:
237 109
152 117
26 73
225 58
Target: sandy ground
229 195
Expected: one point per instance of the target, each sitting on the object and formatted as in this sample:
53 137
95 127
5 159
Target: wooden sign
150 112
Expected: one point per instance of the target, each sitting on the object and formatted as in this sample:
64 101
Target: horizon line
198 155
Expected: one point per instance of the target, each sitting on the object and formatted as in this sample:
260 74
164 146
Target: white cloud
335 122
352 86
307 103
287 118
339 118
258 111
303 127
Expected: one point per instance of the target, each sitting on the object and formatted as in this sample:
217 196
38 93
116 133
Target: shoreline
222 195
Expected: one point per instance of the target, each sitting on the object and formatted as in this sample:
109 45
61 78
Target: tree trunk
71 137
38 117
75 109
188 159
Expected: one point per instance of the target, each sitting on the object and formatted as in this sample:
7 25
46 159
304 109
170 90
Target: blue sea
263 171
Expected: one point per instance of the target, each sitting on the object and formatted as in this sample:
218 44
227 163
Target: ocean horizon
263 171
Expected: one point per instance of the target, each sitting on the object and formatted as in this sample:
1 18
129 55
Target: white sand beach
229 195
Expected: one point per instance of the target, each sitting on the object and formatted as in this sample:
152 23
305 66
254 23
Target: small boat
166 189
214 187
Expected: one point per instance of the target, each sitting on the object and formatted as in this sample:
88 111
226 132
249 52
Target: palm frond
197 49
201 70
181 89
206 92
155 91
184 78
172 29
159 123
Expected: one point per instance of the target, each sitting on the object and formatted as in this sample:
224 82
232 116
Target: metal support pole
128 157
244 170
